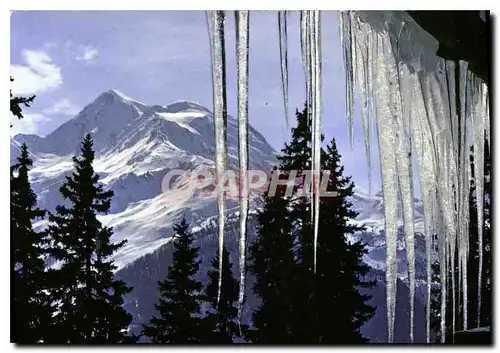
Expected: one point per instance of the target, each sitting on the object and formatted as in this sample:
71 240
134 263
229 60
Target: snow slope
136 146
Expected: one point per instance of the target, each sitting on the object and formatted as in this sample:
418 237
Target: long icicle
426 163
283 38
402 113
346 40
401 99
479 115
464 186
242 47
382 78
216 26
304 43
316 117
405 181
448 147
362 46
309 70
387 143
432 99
453 174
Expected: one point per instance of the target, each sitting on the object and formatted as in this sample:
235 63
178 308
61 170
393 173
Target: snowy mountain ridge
136 145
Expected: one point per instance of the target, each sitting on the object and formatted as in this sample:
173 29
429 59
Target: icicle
405 177
464 185
430 133
427 164
450 75
399 89
304 46
452 264
441 140
216 27
349 60
311 53
479 117
242 46
387 144
362 45
316 116
283 37
305 43
425 157
443 277
453 173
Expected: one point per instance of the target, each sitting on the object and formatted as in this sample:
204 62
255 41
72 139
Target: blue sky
67 58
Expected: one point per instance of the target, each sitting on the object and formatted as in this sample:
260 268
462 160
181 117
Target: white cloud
37 75
29 124
63 106
88 54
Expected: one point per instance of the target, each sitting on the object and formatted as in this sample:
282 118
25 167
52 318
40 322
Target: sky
67 58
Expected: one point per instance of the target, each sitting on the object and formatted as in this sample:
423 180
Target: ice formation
242 46
311 29
283 37
420 103
217 47
393 63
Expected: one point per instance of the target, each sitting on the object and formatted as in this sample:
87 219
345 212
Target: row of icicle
311 51
413 111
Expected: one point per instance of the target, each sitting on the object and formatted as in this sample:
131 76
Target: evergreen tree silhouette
271 261
90 297
222 318
326 306
16 104
32 307
179 320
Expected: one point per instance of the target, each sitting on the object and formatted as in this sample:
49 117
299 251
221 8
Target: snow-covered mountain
136 146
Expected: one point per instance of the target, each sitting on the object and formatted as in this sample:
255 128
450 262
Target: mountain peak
121 96
184 105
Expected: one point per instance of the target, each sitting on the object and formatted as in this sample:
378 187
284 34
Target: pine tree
321 307
340 270
32 307
272 263
17 102
179 319
222 318
334 290
90 298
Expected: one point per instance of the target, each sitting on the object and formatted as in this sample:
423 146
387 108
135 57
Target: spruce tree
340 269
272 263
326 306
90 297
334 291
32 307
16 104
222 318
179 320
